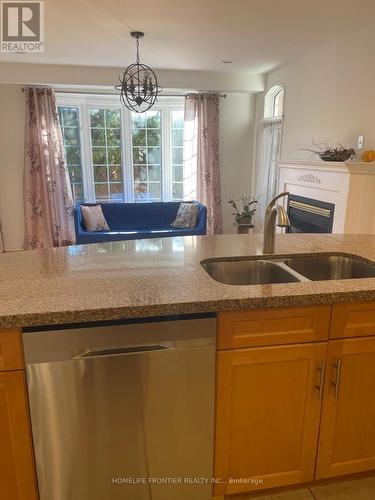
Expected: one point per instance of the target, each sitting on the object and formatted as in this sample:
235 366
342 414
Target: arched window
270 146
274 102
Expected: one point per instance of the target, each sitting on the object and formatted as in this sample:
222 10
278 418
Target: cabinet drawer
273 326
353 320
11 357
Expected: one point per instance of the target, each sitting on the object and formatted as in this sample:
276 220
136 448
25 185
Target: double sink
255 271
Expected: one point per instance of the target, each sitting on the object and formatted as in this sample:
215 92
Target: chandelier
138 84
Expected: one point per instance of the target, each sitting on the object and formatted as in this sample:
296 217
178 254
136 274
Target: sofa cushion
186 216
93 218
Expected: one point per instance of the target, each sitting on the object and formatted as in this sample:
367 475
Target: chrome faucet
273 210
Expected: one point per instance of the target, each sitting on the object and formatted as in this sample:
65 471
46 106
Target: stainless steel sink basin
288 270
247 272
331 267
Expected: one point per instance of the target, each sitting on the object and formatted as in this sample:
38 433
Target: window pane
177 154
99 156
101 192
106 154
115 173
140 191
154 173
70 128
155 191
98 137
153 137
139 120
139 137
113 137
71 136
177 173
117 192
140 173
178 119
139 155
153 155
146 130
178 137
113 118
100 174
278 103
153 119
178 190
69 117
97 117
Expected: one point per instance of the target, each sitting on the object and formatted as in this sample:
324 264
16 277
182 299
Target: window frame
85 102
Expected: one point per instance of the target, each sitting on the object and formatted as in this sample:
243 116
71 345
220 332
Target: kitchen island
295 362
160 277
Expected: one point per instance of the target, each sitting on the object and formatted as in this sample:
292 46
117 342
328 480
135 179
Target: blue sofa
130 221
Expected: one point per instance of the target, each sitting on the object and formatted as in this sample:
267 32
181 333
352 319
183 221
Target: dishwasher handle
120 351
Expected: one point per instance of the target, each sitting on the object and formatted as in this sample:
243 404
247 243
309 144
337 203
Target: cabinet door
16 459
347 436
268 412
10 350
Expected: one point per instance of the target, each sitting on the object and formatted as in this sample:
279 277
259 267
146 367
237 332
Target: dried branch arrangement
328 153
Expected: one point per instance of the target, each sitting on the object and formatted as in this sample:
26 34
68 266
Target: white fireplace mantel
350 186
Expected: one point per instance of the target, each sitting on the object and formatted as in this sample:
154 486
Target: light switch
360 142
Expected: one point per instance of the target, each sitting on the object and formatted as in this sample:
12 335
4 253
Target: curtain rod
81 92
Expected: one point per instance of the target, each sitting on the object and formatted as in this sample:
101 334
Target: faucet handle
273 201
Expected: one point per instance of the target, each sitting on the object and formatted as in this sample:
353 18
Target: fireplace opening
307 215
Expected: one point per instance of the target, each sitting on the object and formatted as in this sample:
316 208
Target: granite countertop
157 277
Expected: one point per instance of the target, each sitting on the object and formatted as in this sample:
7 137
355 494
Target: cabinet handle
320 387
336 384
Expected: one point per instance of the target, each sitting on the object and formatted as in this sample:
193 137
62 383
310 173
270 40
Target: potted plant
245 209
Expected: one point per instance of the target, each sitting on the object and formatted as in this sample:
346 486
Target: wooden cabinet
268 413
347 436
353 320
287 325
10 350
17 474
274 402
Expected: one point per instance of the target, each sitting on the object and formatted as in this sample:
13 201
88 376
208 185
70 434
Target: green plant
245 207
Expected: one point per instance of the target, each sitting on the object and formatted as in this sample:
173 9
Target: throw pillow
186 217
93 218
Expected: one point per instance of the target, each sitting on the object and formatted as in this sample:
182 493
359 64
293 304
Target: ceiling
258 35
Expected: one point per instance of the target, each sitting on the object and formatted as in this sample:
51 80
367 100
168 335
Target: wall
12 124
236 150
329 95
236 130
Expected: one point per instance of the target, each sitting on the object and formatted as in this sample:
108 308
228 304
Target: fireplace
307 215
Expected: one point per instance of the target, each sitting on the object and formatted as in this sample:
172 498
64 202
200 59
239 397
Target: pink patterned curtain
47 192
205 109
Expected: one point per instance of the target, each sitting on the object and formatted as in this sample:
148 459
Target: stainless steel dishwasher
124 411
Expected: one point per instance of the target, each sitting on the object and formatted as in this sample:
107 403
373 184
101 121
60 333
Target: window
177 155
70 128
270 146
105 131
146 133
114 155
274 102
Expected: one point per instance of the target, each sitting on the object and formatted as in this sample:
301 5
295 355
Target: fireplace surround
348 189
